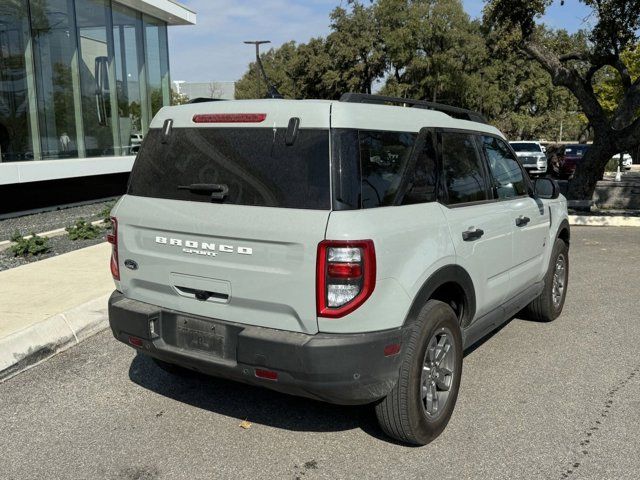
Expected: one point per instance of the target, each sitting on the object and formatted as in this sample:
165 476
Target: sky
212 50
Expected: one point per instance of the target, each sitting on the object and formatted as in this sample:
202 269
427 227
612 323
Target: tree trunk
590 169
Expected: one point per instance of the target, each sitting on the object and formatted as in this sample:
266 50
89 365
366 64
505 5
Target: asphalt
537 401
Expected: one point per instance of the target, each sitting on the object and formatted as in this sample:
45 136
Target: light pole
257 43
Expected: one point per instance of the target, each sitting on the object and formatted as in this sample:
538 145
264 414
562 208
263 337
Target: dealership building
80 81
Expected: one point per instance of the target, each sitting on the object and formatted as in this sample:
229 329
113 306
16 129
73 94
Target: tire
548 306
403 413
172 368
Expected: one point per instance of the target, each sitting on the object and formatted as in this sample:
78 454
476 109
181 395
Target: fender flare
447 274
564 225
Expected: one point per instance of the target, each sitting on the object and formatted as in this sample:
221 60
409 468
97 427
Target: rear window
253 163
526 147
577 150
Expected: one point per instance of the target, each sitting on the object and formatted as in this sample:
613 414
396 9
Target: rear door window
253 163
463 173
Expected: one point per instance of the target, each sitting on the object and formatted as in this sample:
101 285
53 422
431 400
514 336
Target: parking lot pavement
538 401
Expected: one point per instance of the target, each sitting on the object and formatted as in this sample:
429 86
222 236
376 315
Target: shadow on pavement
257 405
261 405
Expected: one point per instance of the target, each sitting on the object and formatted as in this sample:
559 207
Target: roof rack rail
455 112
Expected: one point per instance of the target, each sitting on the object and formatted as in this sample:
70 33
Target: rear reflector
229 117
391 349
266 374
135 341
344 270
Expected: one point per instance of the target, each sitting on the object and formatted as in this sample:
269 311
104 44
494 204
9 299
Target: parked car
346 251
532 156
627 160
565 161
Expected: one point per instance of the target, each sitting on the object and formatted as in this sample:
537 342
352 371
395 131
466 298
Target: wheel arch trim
446 274
564 226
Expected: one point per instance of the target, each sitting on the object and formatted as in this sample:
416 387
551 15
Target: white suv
347 251
532 156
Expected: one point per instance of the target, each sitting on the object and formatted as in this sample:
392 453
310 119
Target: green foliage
609 87
30 246
297 70
433 50
428 49
105 214
83 230
612 165
178 98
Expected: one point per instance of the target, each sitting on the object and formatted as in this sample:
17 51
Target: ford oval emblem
130 264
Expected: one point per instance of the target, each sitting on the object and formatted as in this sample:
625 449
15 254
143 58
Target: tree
617 23
355 47
517 94
432 49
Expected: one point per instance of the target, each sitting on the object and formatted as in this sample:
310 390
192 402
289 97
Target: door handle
521 221
472 234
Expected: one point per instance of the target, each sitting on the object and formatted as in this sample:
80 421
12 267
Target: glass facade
78 78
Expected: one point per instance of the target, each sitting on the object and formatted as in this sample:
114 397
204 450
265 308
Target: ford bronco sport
346 251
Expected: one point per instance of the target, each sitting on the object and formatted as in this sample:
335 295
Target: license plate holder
199 335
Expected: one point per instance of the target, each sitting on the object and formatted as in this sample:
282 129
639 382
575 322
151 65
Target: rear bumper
337 368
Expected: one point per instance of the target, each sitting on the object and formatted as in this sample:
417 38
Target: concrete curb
28 347
604 221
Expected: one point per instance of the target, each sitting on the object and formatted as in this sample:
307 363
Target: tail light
345 276
112 238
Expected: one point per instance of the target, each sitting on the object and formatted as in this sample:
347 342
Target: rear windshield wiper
217 190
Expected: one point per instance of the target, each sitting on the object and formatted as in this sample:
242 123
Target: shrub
106 214
30 246
83 230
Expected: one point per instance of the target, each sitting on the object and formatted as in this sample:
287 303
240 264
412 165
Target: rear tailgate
272 286
224 213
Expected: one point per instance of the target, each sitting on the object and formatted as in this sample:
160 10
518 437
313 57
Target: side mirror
546 188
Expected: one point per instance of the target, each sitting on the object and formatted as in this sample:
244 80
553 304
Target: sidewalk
49 305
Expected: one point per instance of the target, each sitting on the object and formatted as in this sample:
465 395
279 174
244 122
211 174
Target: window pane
95 77
54 46
421 187
157 69
256 166
507 174
383 158
463 173
15 133
127 35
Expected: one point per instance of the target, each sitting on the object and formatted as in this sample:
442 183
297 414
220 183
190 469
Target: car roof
317 114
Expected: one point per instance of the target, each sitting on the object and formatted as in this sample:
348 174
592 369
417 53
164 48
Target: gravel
59 245
46 221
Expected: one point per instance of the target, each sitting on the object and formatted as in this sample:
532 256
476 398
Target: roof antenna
272 91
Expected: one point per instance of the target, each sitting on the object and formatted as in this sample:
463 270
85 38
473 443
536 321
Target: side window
506 173
382 158
462 167
421 187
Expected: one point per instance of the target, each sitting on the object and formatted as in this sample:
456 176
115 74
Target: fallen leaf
245 424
